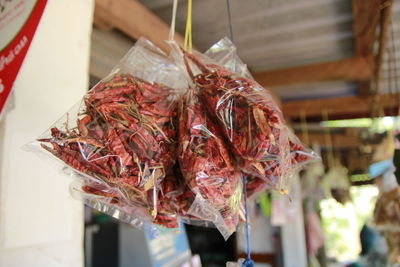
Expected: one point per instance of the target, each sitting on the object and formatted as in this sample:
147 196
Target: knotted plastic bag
264 147
207 166
119 141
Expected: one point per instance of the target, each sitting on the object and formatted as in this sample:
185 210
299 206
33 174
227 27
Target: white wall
261 235
40 224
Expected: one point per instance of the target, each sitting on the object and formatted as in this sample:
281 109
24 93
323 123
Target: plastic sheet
248 117
119 141
207 165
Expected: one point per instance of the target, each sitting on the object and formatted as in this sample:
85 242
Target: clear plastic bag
207 166
120 140
109 201
264 146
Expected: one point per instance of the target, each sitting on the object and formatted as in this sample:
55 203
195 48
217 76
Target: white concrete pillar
40 224
293 233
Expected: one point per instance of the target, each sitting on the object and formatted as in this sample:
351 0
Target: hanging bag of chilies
207 166
119 141
265 149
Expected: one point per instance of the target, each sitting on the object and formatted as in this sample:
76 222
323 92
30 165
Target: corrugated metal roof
273 34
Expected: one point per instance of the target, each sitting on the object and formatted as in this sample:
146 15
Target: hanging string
391 60
304 128
396 73
173 19
188 31
386 10
392 69
328 140
248 262
228 7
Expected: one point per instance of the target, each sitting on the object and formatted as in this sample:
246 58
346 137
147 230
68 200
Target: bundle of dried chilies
121 140
142 159
263 146
206 162
125 137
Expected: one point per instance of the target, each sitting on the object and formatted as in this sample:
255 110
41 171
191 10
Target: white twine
172 29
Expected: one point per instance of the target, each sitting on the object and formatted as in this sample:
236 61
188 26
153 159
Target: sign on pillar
18 23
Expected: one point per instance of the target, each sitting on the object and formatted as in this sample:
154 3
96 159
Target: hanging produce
249 119
140 158
336 183
121 143
387 210
121 139
206 162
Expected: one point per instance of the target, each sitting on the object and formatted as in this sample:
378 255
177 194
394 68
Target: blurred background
331 64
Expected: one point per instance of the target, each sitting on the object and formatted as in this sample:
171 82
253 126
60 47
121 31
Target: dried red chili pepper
125 137
205 161
248 117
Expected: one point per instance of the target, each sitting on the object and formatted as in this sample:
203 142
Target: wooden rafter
365 22
134 19
131 17
340 140
386 13
351 69
337 106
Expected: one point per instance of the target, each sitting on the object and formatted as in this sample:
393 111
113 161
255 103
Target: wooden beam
367 16
103 25
338 105
365 21
386 13
351 69
134 19
339 140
